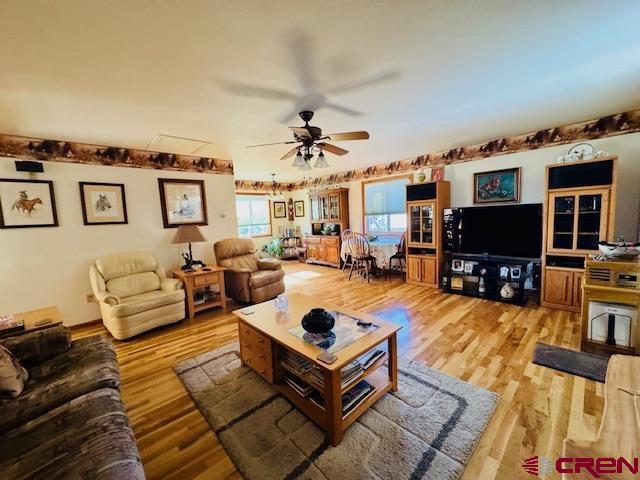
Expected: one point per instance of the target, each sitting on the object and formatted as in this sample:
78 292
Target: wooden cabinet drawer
253 341
261 363
201 280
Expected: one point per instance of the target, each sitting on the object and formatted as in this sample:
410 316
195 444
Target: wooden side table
36 320
198 281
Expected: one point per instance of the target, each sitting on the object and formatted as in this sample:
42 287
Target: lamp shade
189 234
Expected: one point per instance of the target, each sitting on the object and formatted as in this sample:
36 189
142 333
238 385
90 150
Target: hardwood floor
486 343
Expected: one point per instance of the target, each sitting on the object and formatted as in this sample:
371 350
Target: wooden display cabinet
328 206
425 256
579 213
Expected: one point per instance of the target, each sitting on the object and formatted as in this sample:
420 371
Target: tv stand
485 276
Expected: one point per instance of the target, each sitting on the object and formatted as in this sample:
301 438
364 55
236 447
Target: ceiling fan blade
267 144
327 147
246 90
341 109
366 82
341 137
290 153
301 131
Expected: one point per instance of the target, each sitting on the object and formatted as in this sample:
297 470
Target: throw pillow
12 375
34 348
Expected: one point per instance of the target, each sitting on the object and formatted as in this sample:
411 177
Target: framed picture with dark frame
27 203
183 202
103 203
279 209
497 186
299 208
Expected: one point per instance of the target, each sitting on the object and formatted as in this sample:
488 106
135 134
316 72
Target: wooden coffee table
265 339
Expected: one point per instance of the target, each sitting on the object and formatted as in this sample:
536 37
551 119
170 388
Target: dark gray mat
587 365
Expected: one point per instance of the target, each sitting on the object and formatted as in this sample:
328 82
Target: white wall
49 266
532 163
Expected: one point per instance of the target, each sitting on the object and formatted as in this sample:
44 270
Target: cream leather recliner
135 294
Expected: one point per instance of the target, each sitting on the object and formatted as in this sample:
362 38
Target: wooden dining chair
361 259
400 256
344 248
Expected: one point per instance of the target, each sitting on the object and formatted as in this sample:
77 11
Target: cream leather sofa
135 294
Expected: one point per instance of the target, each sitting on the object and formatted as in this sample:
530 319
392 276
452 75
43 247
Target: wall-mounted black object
581 175
28 166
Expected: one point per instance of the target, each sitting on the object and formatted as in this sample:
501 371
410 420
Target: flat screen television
506 231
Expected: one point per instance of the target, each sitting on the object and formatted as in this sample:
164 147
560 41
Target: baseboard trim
86 324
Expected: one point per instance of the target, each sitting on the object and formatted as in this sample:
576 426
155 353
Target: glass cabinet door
414 224
324 208
334 207
427 223
563 221
315 210
589 221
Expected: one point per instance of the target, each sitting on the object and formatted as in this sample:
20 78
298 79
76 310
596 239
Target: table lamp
188 234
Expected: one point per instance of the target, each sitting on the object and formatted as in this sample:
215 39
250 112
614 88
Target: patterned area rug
428 429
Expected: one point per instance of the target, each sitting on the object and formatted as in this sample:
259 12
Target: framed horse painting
103 203
27 203
183 202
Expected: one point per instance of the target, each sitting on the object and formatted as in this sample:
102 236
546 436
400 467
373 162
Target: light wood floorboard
486 343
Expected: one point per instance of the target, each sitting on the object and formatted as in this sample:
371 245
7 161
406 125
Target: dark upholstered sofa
69 421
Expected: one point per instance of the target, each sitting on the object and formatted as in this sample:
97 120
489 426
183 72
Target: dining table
382 248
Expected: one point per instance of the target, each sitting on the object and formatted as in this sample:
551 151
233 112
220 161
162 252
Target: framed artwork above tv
497 186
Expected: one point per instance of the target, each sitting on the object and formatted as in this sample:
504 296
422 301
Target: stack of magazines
300 386
296 363
350 399
351 371
347 374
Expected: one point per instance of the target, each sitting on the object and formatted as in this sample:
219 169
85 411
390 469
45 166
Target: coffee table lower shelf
377 379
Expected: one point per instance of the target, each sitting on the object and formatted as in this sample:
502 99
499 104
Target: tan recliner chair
248 278
135 294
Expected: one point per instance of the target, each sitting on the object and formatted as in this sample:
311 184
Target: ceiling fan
310 139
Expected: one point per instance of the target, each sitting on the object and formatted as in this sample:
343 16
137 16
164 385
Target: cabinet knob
248 361
246 332
245 345
261 340
263 357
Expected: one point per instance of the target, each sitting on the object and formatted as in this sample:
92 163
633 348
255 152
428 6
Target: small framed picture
27 203
183 202
437 174
516 272
457 265
468 267
103 203
279 209
299 208
504 272
497 186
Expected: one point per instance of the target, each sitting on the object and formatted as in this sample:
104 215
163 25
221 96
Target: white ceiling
441 73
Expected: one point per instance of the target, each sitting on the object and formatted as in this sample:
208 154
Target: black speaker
421 191
581 175
27 166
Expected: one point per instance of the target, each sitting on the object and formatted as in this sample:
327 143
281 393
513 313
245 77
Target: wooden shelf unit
327 206
425 255
579 212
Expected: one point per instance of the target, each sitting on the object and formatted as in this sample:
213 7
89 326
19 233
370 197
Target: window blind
387 197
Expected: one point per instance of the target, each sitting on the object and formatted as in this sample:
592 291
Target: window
254 216
384 206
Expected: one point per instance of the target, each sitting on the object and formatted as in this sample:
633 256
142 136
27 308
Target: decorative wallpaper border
609 126
73 152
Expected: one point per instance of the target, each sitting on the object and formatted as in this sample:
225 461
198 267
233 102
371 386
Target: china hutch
425 255
579 212
329 218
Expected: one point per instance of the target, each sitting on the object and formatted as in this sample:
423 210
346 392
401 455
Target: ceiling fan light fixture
321 161
306 165
298 162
